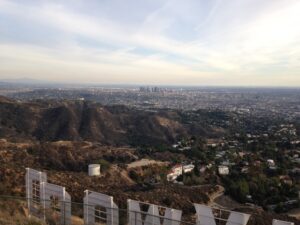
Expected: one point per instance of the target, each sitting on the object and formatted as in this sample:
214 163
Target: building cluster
241 101
272 153
151 89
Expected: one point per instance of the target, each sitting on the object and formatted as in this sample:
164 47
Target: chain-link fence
19 210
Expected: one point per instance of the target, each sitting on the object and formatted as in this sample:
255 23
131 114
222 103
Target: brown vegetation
77 121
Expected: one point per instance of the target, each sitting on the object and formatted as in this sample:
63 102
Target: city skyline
232 43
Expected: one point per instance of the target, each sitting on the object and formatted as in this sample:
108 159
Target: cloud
231 42
85 66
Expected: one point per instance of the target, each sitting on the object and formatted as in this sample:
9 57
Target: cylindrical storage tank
94 170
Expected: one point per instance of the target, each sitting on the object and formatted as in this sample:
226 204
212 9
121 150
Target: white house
223 170
188 168
177 170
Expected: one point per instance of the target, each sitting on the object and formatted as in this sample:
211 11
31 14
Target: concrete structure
94 170
34 179
151 215
205 216
57 199
279 222
100 208
42 196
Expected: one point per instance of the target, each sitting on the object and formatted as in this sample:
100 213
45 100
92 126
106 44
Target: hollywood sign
42 196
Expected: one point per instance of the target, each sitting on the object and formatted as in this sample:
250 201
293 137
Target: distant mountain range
28 83
24 81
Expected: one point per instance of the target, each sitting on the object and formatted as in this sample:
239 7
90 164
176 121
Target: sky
152 42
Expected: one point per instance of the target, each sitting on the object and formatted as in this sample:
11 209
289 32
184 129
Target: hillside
14 157
80 120
66 164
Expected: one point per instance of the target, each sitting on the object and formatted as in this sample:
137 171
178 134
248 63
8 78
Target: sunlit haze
175 42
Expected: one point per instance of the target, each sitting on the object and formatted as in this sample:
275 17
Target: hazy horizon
35 82
154 42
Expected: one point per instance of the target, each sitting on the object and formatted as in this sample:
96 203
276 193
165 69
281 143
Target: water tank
94 170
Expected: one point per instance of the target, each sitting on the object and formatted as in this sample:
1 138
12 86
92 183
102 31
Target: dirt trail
215 195
219 200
